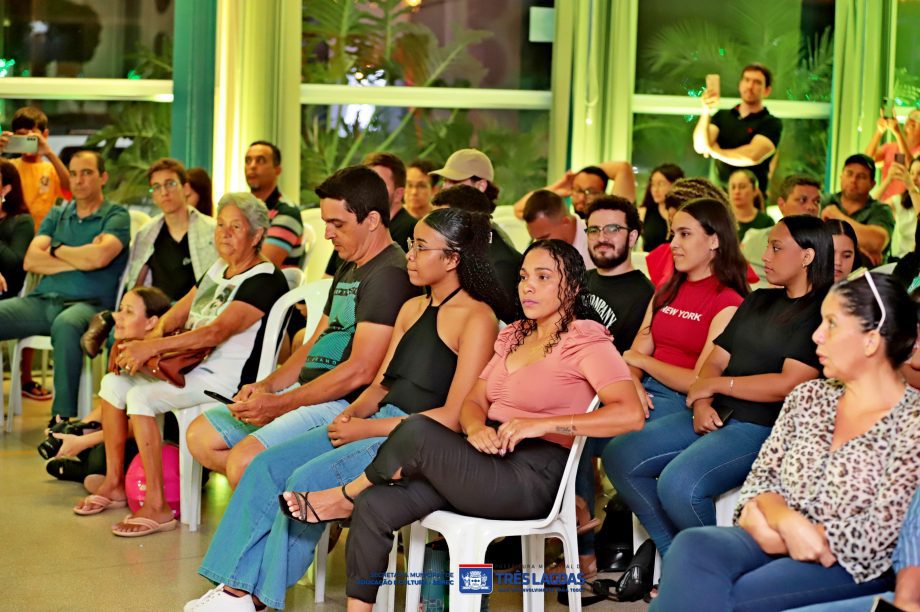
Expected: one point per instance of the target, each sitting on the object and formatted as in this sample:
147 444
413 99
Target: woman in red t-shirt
690 309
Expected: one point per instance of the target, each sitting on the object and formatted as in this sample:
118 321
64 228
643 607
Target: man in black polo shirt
745 136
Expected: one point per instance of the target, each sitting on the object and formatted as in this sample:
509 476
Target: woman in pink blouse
821 509
505 457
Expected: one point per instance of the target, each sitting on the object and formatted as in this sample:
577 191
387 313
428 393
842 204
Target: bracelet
731 385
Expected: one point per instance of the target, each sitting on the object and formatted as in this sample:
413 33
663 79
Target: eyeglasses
611 229
586 193
420 248
169 185
878 299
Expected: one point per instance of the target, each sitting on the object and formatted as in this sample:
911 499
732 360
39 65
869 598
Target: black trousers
442 471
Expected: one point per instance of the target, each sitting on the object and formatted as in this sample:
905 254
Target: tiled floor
53 560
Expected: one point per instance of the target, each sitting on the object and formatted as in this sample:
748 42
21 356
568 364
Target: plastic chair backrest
138 220
322 248
567 482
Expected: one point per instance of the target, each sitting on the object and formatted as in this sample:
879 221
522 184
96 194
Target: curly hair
573 293
468 236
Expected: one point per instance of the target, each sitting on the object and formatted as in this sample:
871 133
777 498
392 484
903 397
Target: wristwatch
55 245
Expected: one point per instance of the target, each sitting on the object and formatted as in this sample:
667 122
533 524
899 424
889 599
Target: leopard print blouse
860 492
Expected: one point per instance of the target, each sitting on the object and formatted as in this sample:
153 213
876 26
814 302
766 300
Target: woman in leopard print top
821 509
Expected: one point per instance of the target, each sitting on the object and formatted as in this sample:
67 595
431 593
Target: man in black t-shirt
619 294
745 136
393 172
347 348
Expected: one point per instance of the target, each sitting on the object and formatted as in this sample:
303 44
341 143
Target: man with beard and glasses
619 293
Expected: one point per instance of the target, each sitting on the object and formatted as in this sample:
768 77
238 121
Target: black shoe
636 582
66 468
613 542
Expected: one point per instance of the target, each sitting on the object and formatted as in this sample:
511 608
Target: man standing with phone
745 136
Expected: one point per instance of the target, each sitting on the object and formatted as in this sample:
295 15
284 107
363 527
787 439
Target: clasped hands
346 428
256 404
795 535
135 354
501 441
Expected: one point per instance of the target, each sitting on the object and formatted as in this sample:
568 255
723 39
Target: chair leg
471 548
570 552
85 400
415 565
386 594
640 535
532 555
189 474
44 369
319 567
2 401
15 406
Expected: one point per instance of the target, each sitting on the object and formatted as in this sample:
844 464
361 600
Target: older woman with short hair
226 311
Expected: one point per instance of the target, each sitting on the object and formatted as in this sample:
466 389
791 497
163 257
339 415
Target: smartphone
713 84
22 144
899 158
220 398
887 108
880 605
724 414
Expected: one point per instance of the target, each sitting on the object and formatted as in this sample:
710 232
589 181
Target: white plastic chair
43 343
725 511
386 594
322 248
511 225
468 537
189 469
138 220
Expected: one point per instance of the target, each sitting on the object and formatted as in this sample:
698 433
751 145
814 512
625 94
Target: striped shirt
286 231
907 552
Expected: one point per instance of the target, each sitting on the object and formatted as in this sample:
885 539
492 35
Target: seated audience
330 370
653 211
283 245
904 205
747 202
393 172
198 191
505 259
421 185
670 473
588 184
82 455
690 310
440 344
514 432
548 218
798 195
905 562
80 250
619 295
872 220
171 252
826 496
660 262
16 231
226 311
846 248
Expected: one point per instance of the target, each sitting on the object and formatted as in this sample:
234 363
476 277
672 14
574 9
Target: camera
50 446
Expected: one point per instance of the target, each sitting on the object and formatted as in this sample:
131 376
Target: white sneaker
218 600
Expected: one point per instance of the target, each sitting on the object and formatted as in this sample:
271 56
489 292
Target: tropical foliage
368 44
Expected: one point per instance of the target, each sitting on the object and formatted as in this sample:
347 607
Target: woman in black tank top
440 344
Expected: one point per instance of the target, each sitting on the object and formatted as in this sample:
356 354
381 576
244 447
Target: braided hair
573 293
467 235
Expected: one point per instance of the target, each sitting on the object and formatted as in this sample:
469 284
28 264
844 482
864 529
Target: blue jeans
669 475
667 402
723 568
258 549
65 322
